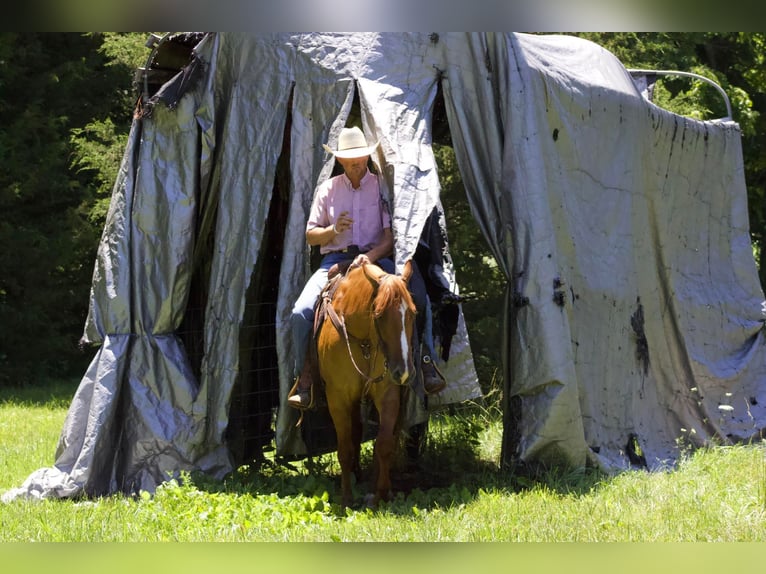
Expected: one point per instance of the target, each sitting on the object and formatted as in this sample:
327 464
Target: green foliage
62 99
480 280
127 51
98 150
180 511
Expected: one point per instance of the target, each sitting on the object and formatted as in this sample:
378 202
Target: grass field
715 494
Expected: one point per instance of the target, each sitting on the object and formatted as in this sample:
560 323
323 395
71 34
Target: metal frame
721 91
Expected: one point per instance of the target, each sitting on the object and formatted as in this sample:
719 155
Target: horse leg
356 441
346 454
385 442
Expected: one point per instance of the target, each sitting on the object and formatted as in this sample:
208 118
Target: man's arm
323 235
320 235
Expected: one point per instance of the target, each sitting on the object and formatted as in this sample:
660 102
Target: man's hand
360 260
343 223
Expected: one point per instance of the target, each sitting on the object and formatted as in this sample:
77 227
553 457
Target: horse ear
373 280
407 271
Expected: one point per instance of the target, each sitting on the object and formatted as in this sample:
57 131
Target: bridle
365 344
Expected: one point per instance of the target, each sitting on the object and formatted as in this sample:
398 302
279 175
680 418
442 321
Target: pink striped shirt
364 205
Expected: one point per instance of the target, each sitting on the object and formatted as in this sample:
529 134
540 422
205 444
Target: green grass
458 494
31 419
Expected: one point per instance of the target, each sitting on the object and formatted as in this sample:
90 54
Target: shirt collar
366 175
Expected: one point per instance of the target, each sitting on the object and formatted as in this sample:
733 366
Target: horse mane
391 290
357 291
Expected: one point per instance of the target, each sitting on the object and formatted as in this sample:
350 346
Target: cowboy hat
352 144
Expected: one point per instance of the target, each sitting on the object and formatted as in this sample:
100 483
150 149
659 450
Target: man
348 220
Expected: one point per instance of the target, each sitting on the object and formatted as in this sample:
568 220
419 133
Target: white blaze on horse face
405 342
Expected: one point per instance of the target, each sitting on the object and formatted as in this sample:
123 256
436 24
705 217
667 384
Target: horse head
394 314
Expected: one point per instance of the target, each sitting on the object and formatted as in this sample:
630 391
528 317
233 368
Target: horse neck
354 302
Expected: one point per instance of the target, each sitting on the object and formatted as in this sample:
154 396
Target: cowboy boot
301 396
433 381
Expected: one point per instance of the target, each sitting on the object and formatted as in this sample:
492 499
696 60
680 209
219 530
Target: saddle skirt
322 308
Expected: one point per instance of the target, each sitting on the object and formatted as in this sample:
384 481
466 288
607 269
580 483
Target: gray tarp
633 302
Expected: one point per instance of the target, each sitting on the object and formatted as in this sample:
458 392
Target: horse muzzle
400 374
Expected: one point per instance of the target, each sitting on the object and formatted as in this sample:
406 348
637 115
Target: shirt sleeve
318 212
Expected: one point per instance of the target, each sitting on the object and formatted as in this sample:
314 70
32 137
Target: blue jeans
302 319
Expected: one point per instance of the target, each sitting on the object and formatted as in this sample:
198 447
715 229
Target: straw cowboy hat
352 144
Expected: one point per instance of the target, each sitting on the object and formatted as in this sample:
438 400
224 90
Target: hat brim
353 152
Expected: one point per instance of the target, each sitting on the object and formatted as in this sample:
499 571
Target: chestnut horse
364 350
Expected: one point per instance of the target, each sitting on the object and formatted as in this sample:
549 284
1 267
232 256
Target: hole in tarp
642 345
634 452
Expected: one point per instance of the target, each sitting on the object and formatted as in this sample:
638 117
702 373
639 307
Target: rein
365 344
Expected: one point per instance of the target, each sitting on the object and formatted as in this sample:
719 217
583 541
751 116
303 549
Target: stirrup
296 392
442 381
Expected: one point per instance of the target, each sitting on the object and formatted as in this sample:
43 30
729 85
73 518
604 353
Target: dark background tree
66 104
51 85
480 280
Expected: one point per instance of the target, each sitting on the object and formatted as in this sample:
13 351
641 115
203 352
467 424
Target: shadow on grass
49 393
448 471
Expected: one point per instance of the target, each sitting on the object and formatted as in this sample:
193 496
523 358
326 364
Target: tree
52 84
480 279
